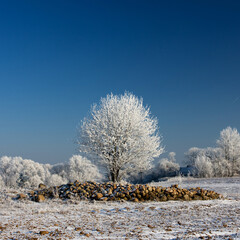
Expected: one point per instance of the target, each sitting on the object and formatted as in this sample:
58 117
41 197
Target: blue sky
57 58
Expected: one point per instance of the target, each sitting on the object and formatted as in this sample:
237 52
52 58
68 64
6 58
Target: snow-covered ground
228 187
213 219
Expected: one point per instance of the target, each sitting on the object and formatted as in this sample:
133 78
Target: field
57 219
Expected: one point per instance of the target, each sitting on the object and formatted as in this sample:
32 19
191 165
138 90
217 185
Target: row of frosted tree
17 172
220 161
119 140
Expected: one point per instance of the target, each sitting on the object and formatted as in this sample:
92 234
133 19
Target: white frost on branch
204 166
167 166
18 172
122 135
80 168
229 142
221 161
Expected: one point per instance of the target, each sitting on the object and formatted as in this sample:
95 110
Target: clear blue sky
59 57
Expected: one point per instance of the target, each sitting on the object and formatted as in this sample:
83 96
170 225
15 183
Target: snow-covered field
214 219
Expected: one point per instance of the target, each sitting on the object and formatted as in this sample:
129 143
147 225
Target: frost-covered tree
80 168
2 184
191 155
59 173
204 166
221 161
167 167
210 157
18 172
221 168
121 134
77 168
229 143
172 156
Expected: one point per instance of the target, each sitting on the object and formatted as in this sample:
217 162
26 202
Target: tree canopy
121 135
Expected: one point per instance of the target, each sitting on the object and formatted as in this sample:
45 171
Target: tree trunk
114 175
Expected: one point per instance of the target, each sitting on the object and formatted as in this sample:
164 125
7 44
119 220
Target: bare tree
121 134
